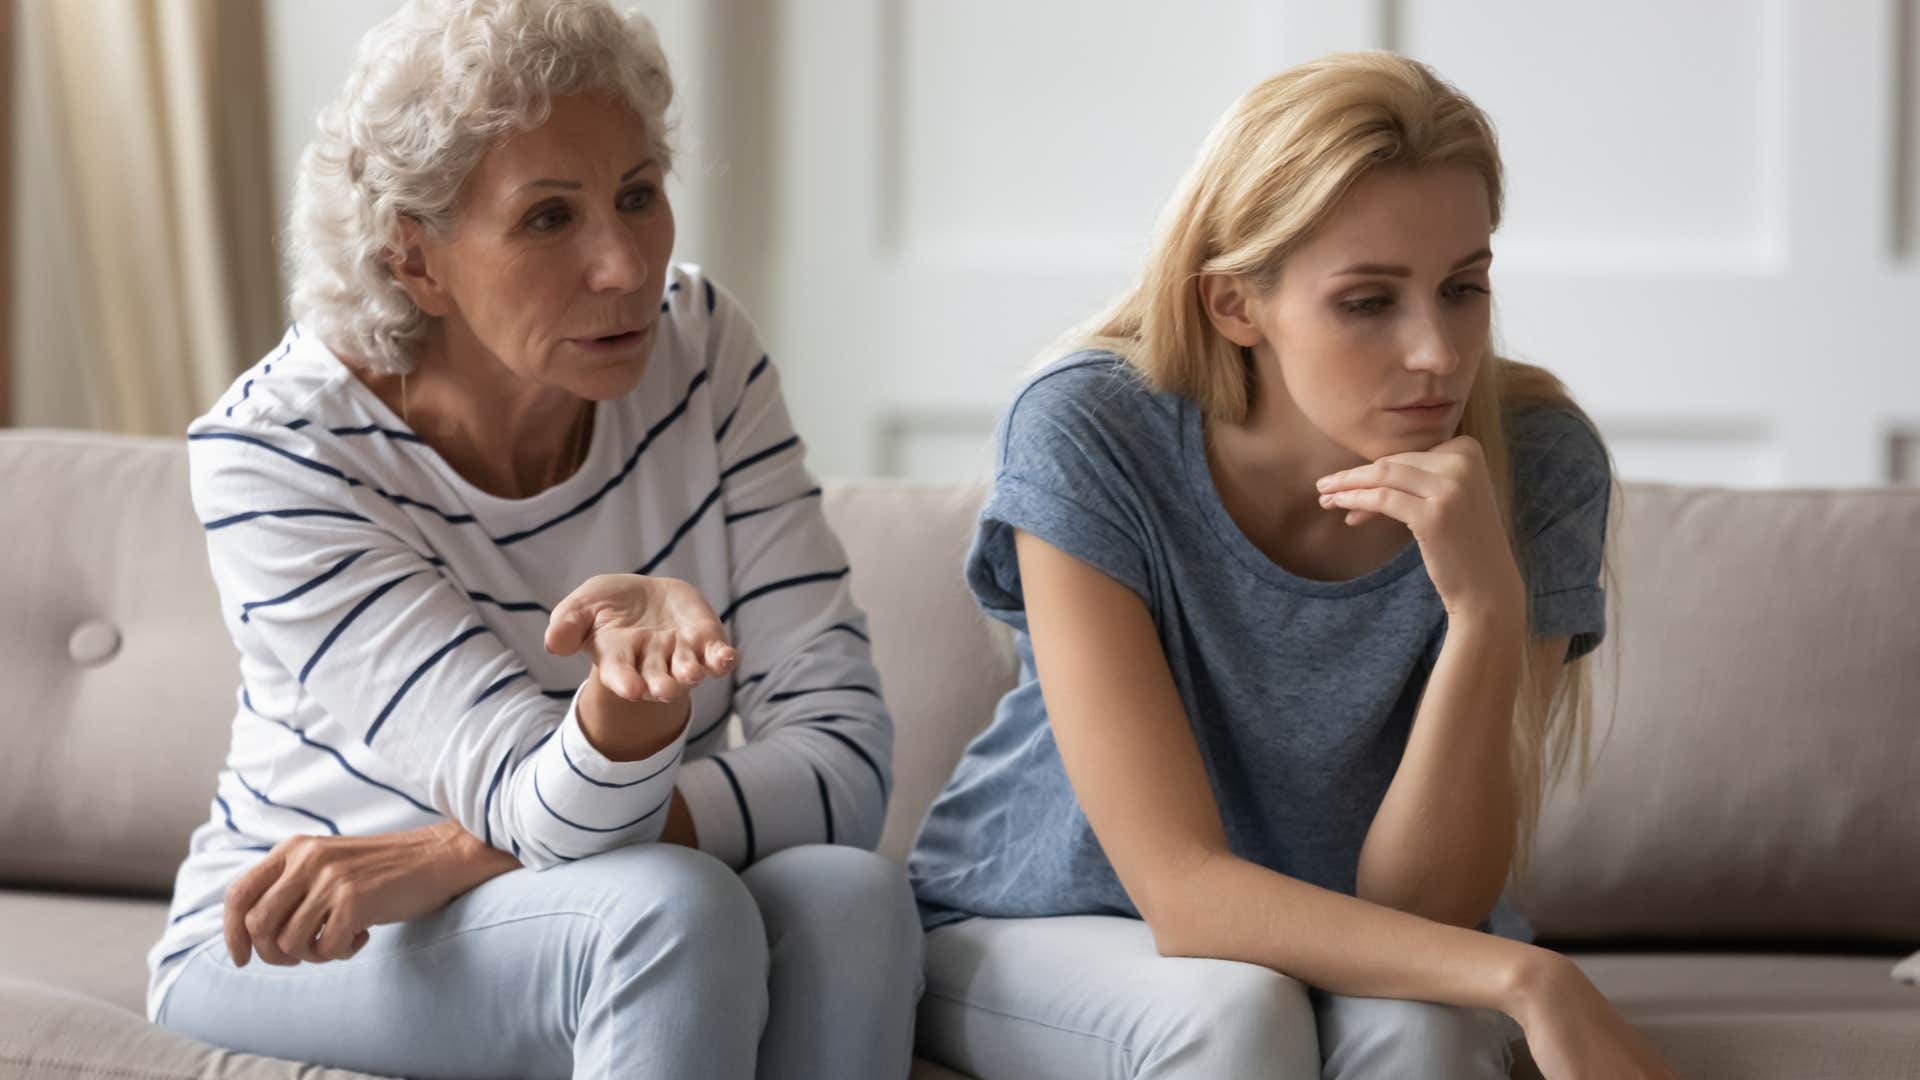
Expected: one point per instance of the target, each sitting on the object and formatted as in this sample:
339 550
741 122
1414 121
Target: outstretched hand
651 638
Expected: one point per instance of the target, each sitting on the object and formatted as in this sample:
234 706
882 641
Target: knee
1386 1036
656 900
833 901
1231 1019
858 893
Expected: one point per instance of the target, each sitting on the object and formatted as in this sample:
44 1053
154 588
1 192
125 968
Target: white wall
1714 228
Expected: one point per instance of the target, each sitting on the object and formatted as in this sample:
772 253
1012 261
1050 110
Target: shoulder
701 320
1092 398
299 382
297 421
1559 463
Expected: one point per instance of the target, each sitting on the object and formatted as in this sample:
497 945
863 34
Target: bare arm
1136 771
1442 842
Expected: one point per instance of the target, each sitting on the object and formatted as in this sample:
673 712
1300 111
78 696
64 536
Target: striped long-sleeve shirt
390 617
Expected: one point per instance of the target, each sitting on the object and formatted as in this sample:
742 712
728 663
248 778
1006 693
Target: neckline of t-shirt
590 474
1206 496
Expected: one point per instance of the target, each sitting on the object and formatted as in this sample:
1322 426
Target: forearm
1229 908
1441 844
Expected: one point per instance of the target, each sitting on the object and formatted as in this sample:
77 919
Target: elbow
1168 901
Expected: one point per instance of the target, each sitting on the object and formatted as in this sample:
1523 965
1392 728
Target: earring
406 417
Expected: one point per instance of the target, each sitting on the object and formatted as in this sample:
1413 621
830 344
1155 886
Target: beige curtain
145 275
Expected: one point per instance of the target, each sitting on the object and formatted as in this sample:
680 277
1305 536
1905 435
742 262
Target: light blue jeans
646 961
1088 997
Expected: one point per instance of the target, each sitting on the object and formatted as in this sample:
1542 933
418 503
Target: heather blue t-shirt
1300 693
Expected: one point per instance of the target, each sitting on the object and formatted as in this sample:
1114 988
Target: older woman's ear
411 270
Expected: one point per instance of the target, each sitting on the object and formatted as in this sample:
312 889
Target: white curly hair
432 88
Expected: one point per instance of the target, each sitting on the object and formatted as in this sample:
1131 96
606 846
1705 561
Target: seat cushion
94 945
1738 1016
54 1034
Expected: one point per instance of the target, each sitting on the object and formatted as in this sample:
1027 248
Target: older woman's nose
616 260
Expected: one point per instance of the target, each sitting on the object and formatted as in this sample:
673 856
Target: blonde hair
1272 170
433 87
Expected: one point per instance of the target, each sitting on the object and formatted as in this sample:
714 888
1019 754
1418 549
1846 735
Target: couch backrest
1761 773
1758 778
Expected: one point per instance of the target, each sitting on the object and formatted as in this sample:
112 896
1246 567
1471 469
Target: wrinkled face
558 251
1376 328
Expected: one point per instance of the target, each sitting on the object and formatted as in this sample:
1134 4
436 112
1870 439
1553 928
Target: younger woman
1299 570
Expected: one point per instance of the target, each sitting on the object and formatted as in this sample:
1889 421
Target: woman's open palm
651 638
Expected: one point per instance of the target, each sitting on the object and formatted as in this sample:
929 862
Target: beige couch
1740 875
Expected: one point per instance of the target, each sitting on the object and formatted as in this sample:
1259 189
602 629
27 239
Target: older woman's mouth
608 344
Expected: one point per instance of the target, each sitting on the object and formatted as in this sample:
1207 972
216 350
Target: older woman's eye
638 198
548 220
1366 305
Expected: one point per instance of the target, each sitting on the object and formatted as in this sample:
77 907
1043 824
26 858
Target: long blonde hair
1269 174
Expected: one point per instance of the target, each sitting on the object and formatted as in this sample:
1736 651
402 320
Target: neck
504 434
1276 451
1265 468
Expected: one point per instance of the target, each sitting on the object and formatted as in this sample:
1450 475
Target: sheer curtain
144 268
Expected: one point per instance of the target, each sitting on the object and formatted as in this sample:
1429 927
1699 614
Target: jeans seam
1126 1052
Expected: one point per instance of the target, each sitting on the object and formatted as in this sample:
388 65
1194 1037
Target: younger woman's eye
1463 290
1366 305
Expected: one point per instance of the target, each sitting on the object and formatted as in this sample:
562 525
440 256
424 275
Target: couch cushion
55 1034
94 945
1760 773
118 674
943 665
1734 1016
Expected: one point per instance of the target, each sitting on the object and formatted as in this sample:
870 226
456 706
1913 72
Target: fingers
296 938
341 937
242 895
567 627
686 666
654 660
618 674
1399 471
269 917
1398 505
720 656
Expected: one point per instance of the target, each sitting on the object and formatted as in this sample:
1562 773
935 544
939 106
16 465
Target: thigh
1090 997
1367 1037
491 985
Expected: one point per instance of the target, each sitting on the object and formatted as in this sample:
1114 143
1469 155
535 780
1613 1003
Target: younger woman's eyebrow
1383 269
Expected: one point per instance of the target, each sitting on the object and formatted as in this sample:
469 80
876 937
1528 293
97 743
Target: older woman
505 528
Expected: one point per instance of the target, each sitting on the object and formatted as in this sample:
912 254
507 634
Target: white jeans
1088 997
645 961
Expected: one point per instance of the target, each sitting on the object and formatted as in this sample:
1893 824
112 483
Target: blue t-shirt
1300 693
